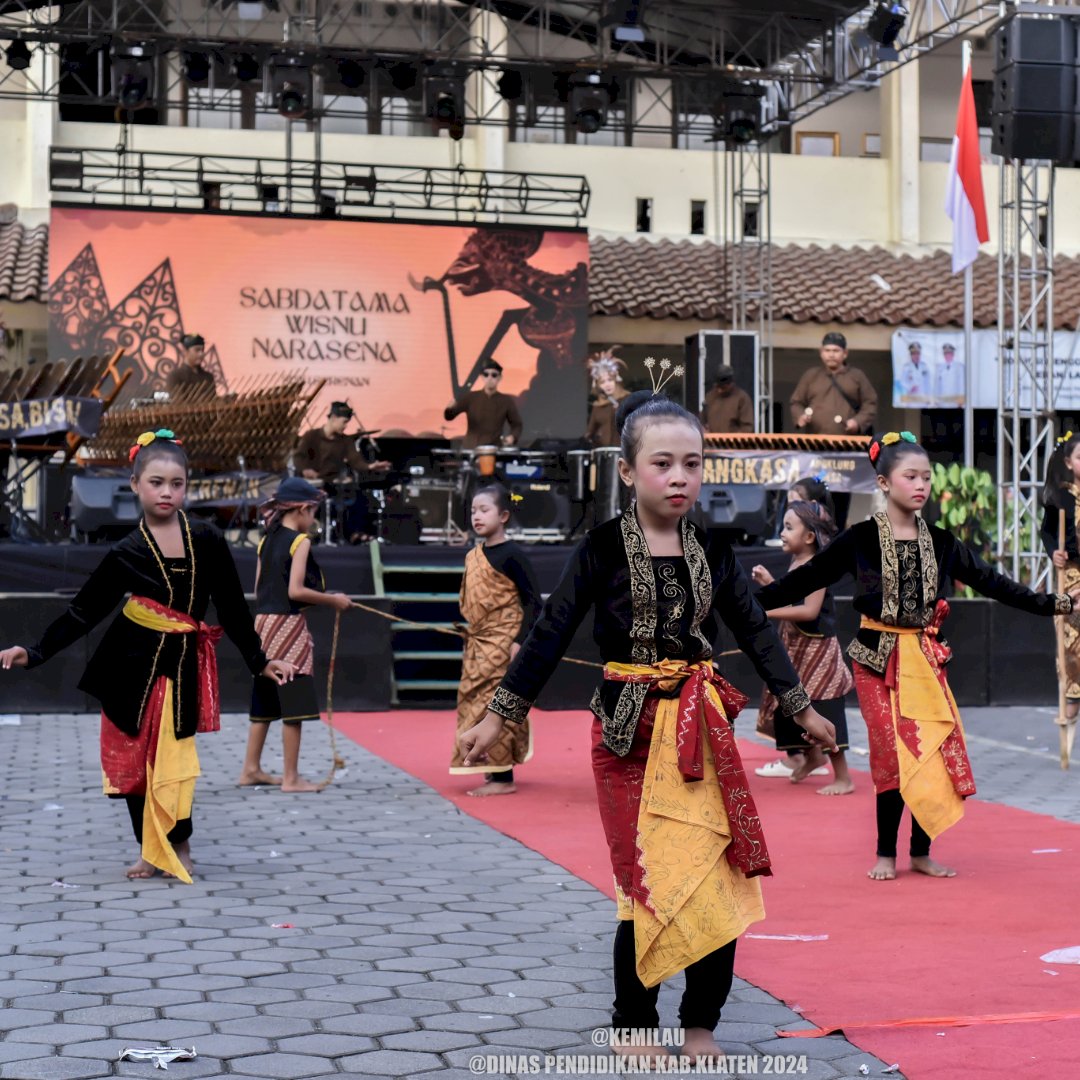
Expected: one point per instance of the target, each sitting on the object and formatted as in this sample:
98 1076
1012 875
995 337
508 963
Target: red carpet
915 947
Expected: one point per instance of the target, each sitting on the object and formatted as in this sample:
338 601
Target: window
751 220
939 150
697 217
817 143
871 145
644 215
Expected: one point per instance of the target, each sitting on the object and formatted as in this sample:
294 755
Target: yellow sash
170 777
925 783
700 901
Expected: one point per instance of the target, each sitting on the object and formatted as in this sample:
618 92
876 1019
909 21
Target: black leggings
708 983
180 832
504 777
890 808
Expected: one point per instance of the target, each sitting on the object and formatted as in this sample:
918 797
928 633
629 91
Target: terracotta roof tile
687 280
24 258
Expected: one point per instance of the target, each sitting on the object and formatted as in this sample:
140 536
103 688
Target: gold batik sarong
698 834
926 726
1072 636
492 607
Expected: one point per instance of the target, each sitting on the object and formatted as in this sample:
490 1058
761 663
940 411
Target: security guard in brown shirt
834 399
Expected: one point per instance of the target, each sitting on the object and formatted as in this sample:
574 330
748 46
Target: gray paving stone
325 1044
57 1034
285 1066
477 1023
367 1024
55 1068
391 1063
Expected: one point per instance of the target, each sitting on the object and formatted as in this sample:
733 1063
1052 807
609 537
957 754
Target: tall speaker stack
1034 112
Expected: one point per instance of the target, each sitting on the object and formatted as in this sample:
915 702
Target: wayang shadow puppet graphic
553 320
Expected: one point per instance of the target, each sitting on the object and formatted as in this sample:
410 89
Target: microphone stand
239 518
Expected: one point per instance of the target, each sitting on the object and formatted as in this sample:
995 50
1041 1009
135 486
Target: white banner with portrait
929 369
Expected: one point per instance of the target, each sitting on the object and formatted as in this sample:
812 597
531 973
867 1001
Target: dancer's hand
819 731
340 601
761 576
1074 596
280 671
1060 559
13 657
475 743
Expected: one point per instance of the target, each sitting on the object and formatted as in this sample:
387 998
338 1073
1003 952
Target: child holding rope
287 580
500 599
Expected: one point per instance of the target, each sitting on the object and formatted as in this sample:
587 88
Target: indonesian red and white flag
965 202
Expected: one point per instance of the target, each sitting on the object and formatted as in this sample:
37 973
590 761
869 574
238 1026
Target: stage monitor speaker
103 507
1034 88
709 350
1036 40
736 508
543 504
1021 136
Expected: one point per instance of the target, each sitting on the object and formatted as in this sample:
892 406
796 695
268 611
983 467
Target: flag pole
969 329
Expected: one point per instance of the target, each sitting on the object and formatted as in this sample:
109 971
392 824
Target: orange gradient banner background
333 298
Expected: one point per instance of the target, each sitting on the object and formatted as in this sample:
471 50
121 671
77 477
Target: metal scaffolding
750 260
1027 379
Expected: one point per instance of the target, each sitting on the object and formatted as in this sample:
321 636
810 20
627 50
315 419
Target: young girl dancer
1061 498
686 878
155 672
808 631
287 579
500 601
903 569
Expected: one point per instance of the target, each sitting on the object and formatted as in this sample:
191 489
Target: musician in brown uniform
727 407
488 411
326 453
609 391
834 399
190 379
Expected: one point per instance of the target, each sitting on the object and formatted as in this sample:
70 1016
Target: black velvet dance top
645 609
130 657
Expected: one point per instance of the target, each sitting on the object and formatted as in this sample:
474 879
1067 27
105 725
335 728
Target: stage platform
1002 657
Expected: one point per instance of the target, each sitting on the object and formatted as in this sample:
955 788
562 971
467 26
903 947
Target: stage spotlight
884 27
350 73
627 21
18 55
738 114
403 76
133 75
589 100
246 67
290 78
196 67
444 103
511 85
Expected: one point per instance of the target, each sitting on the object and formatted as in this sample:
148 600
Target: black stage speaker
103 507
1033 114
543 504
735 508
709 350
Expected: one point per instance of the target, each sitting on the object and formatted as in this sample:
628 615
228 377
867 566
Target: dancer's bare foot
300 784
883 870
183 853
837 787
140 869
813 759
493 788
923 864
257 778
699 1042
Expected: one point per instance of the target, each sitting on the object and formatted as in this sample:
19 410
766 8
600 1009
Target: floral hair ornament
659 381
606 363
147 437
874 451
516 498
1063 439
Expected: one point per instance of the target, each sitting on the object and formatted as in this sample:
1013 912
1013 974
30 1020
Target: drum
608 496
484 460
578 462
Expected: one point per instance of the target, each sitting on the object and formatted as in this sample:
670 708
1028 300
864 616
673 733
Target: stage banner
777 470
398 318
928 370
40 417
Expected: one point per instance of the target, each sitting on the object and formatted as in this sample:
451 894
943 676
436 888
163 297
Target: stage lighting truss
684 45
